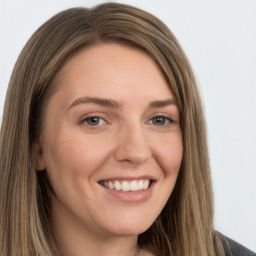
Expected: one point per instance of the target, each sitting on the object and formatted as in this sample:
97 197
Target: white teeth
110 185
134 185
140 185
117 185
146 184
125 186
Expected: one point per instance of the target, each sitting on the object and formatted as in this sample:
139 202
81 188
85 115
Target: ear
38 156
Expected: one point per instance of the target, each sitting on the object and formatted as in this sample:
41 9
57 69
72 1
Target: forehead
111 69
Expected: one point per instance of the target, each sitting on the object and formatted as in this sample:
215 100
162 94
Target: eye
94 121
160 120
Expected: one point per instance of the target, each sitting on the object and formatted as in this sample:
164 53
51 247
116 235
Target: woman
103 144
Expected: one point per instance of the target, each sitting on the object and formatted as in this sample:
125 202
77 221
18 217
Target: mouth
127 185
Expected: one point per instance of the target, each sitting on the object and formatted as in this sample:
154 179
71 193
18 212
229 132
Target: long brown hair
185 226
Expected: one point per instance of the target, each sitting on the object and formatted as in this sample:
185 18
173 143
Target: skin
125 141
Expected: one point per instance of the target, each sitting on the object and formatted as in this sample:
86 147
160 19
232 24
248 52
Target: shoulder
233 248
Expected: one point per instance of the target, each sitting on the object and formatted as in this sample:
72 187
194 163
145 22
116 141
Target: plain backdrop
219 38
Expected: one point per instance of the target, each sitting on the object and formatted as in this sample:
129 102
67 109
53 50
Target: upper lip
129 178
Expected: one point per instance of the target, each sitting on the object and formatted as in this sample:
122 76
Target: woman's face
111 142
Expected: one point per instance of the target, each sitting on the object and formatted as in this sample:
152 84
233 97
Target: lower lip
133 196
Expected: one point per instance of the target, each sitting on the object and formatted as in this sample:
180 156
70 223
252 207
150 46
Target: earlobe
38 156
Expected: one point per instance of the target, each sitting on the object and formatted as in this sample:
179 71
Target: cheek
71 167
169 154
171 158
68 156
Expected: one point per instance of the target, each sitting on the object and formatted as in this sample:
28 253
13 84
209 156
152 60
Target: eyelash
167 120
93 117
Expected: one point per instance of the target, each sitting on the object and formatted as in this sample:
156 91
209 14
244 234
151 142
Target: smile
133 185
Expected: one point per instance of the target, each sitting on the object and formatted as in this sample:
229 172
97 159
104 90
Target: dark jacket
233 248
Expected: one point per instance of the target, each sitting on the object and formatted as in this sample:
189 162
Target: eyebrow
162 103
99 101
115 105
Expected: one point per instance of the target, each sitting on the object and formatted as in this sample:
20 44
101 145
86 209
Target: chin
130 227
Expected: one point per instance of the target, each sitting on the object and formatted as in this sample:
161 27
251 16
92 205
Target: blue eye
94 121
161 120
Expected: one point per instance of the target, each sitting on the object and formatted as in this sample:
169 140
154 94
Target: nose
132 146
